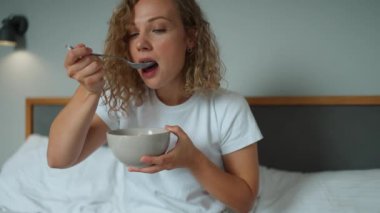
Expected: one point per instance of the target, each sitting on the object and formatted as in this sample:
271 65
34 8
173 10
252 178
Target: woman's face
157 34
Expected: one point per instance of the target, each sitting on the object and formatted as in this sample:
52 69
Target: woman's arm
77 131
237 187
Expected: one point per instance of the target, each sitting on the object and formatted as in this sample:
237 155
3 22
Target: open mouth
150 68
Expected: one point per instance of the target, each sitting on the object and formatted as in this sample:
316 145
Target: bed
319 154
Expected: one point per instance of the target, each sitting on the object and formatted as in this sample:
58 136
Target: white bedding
27 184
339 191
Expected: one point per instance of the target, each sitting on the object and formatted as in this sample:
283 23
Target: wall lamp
13 30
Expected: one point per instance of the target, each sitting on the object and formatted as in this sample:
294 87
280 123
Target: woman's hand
236 186
85 68
183 155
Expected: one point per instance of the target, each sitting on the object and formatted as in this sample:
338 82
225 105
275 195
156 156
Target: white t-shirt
218 123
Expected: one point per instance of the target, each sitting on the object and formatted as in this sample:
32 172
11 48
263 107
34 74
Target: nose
143 43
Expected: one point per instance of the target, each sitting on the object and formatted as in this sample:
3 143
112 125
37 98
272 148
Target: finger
85 61
163 161
150 169
153 160
75 54
80 45
178 131
89 70
95 79
79 65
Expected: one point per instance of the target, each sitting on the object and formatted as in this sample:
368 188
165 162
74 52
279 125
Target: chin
151 85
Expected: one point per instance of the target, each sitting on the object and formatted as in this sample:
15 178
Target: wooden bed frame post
31 102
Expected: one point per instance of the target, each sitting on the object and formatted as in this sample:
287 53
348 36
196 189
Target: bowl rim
121 132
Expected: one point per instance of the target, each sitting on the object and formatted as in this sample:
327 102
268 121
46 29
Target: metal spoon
131 64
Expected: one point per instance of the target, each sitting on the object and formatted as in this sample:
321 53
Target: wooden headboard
300 133
40 112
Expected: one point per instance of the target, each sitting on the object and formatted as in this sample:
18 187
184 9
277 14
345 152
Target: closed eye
132 35
161 30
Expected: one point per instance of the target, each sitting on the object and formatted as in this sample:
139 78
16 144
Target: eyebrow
159 17
150 20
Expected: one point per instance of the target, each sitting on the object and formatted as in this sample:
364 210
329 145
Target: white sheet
337 191
27 184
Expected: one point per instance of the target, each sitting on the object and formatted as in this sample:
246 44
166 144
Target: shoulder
223 98
226 104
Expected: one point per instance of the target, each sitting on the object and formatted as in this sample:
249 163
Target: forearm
229 189
69 129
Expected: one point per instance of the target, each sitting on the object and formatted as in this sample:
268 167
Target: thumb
176 130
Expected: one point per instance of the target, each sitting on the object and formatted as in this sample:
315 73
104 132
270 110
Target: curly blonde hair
202 70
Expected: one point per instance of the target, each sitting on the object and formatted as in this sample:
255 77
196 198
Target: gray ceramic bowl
128 145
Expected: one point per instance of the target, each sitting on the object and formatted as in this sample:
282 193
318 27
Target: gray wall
270 47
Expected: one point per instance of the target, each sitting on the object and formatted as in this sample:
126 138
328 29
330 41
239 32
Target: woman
214 164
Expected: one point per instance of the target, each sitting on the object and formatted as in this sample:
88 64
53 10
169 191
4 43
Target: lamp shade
13 28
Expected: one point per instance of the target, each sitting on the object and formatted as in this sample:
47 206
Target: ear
191 38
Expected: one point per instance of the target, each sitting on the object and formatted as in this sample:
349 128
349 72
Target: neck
172 97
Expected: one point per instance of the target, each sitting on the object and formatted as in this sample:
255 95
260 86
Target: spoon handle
131 64
69 47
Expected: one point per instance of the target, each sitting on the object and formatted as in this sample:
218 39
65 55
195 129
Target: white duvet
320 192
27 184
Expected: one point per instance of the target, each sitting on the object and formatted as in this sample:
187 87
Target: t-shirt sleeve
238 127
111 119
